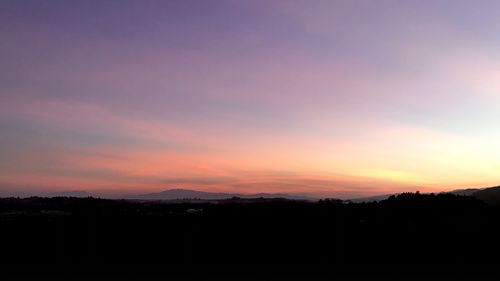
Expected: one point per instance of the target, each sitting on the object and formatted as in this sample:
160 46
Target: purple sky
333 98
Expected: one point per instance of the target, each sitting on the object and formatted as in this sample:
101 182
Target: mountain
467 192
173 194
490 195
464 192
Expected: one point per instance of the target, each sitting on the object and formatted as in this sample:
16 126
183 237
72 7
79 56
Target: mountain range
490 195
173 194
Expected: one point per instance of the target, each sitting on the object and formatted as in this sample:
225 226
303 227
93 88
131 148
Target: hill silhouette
407 229
175 194
489 195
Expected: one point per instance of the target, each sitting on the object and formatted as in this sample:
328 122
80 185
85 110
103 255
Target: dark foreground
411 232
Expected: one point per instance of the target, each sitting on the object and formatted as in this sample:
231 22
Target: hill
489 195
174 194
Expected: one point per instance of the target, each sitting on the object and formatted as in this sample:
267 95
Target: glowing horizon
331 98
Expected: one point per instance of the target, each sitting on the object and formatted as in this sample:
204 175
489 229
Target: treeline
409 226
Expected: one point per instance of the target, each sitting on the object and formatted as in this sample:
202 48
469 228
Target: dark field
437 232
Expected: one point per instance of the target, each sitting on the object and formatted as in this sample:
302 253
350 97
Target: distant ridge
68 193
178 193
376 198
467 191
490 195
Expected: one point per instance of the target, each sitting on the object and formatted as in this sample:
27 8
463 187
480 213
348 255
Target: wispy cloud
327 97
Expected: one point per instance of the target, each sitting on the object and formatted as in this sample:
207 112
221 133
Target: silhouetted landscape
178 193
410 227
234 136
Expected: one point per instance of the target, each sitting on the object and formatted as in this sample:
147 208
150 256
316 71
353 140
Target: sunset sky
328 98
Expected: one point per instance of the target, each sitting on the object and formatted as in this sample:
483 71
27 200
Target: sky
326 98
